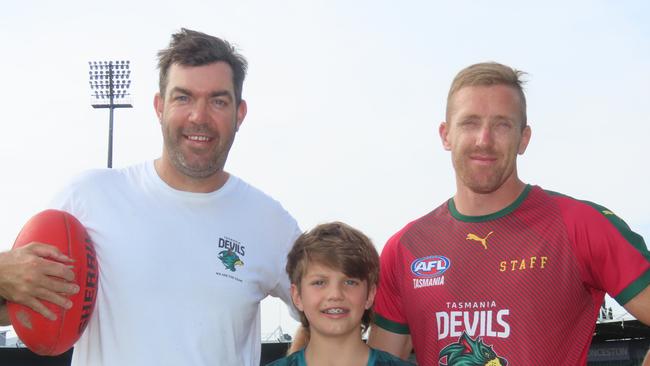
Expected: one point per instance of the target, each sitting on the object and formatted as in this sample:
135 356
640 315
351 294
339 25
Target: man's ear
295 297
158 105
443 131
525 139
242 109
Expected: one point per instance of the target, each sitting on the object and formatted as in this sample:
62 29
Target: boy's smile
335 311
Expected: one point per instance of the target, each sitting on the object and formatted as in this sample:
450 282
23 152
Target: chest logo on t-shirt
477 238
429 270
470 351
230 259
230 255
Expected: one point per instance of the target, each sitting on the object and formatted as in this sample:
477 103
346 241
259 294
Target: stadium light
109 88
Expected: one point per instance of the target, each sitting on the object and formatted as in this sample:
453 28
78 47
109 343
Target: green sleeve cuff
390 325
634 288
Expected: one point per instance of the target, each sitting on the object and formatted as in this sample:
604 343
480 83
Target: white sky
344 97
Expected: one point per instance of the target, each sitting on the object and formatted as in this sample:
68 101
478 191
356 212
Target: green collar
513 206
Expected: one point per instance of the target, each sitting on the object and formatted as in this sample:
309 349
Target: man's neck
470 203
181 182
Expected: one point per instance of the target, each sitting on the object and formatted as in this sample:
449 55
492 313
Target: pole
110 136
110 116
102 82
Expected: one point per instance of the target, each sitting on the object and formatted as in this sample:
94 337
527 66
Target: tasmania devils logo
230 259
470 352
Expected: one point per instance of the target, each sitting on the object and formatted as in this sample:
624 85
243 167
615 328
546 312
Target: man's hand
34 273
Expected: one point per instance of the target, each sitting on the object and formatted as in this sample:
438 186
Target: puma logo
607 212
475 237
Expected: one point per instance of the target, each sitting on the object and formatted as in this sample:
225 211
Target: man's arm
34 273
639 306
399 345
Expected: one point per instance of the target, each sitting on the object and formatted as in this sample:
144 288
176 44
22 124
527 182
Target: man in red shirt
504 272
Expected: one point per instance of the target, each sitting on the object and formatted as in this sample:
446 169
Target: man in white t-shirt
186 250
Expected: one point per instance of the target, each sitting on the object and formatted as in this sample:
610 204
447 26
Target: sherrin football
53 337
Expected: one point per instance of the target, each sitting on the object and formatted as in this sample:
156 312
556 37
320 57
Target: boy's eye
318 283
352 282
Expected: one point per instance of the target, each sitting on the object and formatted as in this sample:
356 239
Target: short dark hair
192 48
338 246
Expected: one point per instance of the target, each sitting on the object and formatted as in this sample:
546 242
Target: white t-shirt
181 274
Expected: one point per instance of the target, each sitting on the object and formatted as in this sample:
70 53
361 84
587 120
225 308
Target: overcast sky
344 100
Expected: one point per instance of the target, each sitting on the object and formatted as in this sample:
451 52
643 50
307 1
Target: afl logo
432 266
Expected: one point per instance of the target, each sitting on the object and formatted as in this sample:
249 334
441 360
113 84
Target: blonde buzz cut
489 74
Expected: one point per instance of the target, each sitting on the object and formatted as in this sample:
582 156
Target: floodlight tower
109 85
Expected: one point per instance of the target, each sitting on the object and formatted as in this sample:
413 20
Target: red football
53 337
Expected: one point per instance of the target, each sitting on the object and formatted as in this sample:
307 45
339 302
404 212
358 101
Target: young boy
334 270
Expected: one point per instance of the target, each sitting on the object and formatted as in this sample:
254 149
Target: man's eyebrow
500 117
217 93
178 89
221 93
468 117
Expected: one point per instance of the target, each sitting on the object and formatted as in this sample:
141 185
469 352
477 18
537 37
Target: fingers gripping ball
53 337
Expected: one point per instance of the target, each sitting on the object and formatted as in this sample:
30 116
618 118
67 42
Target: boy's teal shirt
377 358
